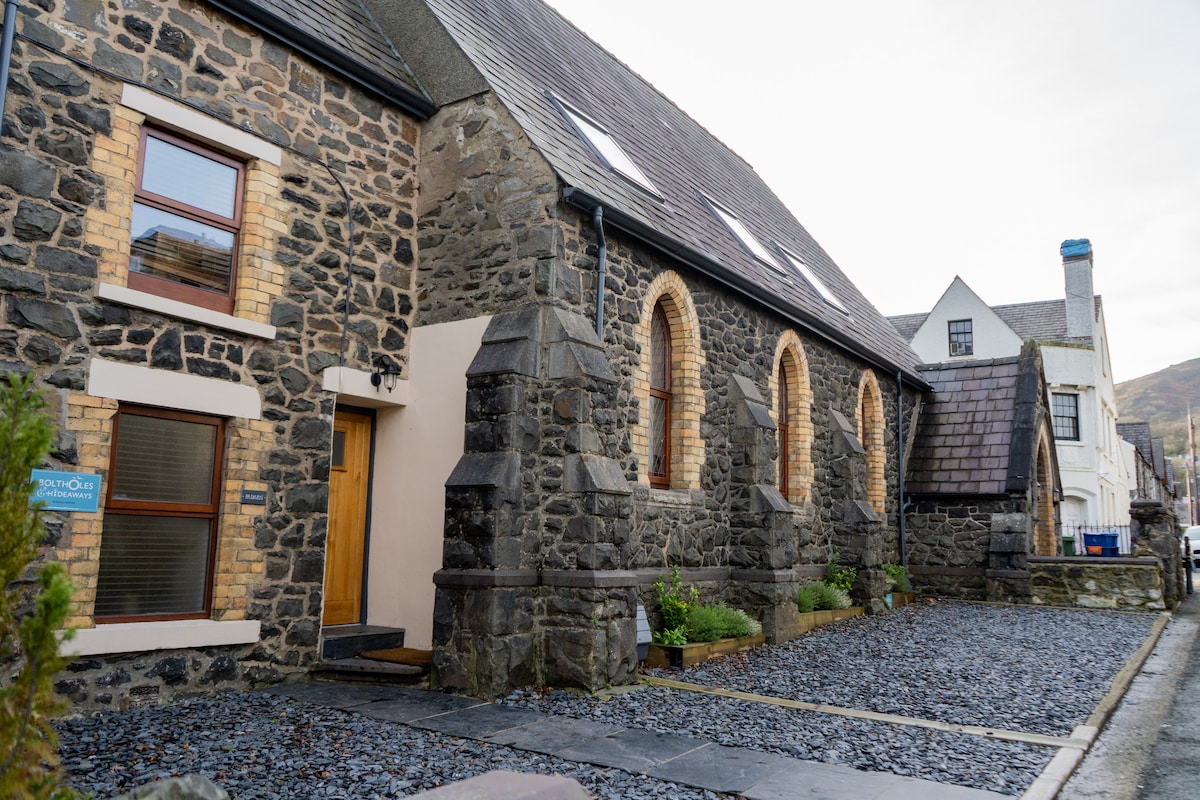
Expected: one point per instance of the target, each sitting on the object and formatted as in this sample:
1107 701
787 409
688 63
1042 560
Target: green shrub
897 578
709 623
806 598
28 756
837 576
820 596
674 604
671 636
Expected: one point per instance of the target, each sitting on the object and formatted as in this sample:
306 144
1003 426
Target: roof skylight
813 281
606 147
743 234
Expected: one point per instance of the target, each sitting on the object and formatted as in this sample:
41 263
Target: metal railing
1077 530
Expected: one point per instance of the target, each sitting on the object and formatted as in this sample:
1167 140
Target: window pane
660 351
1065 415
189 177
164 461
169 246
152 565
658 436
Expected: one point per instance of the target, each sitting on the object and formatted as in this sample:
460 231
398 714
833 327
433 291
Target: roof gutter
714 270
415 103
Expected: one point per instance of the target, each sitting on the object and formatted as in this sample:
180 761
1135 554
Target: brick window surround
871 435
795 465
238 565
686 455
259 278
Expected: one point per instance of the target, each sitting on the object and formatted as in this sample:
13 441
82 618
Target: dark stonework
1155 533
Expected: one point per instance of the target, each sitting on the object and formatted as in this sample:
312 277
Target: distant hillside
1161 399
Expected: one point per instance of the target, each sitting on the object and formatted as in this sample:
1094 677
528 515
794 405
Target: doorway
345 551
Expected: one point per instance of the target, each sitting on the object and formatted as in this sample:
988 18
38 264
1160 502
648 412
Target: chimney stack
1081 303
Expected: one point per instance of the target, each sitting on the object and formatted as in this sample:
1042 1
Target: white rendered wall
992 337
416 448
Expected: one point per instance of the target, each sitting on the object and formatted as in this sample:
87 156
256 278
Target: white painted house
1096 476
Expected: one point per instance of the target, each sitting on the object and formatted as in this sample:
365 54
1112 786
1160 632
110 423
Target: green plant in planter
837 576
897 578
674 604
820 596
709 623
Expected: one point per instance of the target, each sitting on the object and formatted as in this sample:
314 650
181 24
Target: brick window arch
792 409
667 439
1045 539
871 435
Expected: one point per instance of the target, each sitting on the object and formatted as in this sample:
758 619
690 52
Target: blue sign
66 491
254 497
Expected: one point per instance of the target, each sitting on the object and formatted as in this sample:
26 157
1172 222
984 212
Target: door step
348 641
365 670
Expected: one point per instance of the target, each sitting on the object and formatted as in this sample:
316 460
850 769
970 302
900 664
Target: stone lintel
857 511
467 578
1007 573
765 499
486 470
648 575
590 578
765 575
1076 561
586 472
954 572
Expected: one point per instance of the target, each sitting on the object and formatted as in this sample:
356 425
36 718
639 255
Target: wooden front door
345 547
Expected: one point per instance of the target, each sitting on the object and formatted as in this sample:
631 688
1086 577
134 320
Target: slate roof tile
525 49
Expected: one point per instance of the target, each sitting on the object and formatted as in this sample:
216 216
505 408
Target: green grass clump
897 578
820 596
709 623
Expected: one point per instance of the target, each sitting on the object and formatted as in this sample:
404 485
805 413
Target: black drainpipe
900 501
6 45
601 266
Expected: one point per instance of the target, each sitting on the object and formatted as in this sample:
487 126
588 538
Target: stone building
422 318
983 480
662 367
207 240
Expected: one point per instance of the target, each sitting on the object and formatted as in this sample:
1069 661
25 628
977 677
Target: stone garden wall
1122 584
65 185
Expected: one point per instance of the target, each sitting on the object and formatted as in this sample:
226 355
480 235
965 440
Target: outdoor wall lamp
386 373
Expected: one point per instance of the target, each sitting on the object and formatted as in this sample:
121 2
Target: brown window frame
147 508
661 480
192 295
782 425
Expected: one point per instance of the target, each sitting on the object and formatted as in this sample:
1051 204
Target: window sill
173 308
135 637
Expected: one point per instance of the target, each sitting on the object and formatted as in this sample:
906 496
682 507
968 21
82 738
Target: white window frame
816 283
605 146
740 232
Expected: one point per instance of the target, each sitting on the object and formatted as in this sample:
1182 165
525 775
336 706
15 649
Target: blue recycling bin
1101 544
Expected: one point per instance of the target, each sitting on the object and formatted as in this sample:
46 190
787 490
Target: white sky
917 140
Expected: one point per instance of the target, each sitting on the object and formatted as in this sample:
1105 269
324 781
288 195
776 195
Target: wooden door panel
345 545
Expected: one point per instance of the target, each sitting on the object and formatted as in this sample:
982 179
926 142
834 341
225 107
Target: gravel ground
261 746
1017 668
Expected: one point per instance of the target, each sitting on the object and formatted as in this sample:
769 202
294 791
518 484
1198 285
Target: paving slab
335 695
414 704
721 769
478 721
550 735
814 781
633 750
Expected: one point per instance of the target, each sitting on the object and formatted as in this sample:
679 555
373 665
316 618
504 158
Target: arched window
783 418
871 435
792 409
666 377
659 468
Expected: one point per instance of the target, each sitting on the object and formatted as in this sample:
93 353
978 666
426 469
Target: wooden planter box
900 599
815 619
669 655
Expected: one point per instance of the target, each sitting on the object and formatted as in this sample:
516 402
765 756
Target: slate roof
965 438
525 49
1043 320
342 35
1138 435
